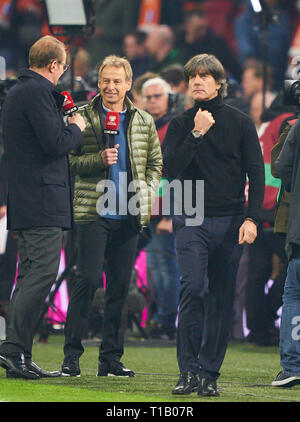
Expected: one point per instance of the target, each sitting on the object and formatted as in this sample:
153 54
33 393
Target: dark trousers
8 265
39 257
115 242
261 308
208 257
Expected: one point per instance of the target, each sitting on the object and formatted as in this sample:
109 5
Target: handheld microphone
111 127
112 123
68 105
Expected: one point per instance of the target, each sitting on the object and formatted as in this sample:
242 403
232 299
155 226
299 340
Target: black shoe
284 380
16 364
70 367
208 387
32 366
187 383
115 369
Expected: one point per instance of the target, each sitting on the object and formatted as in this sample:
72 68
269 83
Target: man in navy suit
39 203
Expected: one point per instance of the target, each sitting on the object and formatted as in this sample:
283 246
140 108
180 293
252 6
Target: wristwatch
197 134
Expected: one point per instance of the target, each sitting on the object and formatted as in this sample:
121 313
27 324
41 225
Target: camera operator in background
267 258
287 167
39 203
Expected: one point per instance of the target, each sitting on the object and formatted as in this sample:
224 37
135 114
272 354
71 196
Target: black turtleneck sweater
227 153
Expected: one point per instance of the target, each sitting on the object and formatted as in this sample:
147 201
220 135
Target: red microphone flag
68 105
112 123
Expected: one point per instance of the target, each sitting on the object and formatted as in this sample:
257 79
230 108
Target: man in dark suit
218 144
39 205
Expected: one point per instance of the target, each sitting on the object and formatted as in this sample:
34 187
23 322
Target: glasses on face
155 96
65 66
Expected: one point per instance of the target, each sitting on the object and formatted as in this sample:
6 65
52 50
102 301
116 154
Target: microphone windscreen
112 121
68 105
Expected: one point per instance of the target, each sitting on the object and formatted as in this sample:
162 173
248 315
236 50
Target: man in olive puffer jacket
105 232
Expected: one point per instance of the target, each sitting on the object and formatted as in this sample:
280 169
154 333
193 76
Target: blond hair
116 61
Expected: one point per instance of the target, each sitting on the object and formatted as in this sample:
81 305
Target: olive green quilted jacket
88 168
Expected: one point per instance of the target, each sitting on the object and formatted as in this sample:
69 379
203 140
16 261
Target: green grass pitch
246 376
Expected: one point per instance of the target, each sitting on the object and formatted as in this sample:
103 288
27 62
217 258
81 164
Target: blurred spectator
8 36
28 26
253 79
237 330
294 51
155 12
156 92
248 30
197 37
220 14
136 90
20 26
113 21
160 46
82 75
161 253
256 107
267 259
173 74
82 63
235 97
135 51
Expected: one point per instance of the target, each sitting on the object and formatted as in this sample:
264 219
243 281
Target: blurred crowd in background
158 37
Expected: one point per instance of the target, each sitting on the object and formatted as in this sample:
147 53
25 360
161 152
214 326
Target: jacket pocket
56 195
53 179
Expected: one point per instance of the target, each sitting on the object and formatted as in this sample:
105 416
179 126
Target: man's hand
110 155
3 211
164 226
78 120
247 232
203 121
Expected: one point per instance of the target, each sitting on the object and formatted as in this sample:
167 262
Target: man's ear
51 66
129 83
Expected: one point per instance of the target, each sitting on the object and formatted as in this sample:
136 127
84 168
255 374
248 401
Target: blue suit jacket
36 143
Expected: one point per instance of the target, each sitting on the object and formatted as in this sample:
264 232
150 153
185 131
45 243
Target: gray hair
157 81
209 64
